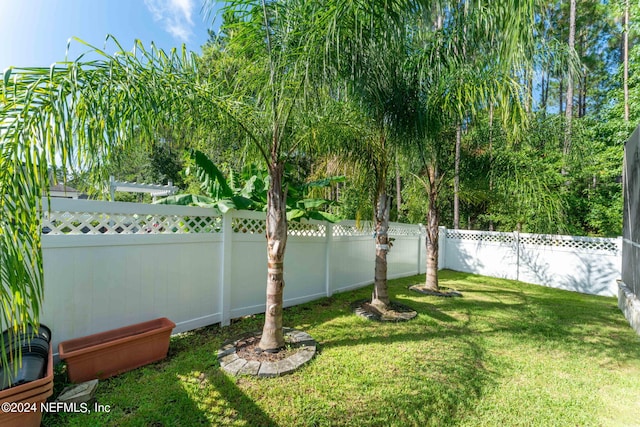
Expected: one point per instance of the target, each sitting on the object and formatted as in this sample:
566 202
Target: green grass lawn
505 354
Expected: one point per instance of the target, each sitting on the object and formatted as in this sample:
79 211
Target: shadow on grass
575 322
186 389
438 366
438 375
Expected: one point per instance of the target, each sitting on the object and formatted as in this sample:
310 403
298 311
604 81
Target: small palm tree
71 115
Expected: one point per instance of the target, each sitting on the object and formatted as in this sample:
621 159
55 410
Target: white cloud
174 15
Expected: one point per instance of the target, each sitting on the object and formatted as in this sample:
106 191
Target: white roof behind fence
156 190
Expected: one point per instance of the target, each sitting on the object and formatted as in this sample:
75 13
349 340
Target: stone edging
445 294
235 365
403 312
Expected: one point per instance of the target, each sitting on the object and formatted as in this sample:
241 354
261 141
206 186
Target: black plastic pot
34 347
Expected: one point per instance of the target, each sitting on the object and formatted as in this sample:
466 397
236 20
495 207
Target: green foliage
248 190
73 115
511 184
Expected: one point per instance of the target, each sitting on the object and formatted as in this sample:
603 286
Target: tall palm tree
268 105
368 50
469 60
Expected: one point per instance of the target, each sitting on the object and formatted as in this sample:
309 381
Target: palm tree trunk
380 296
456 180
569 107
433 220
626 61
272 334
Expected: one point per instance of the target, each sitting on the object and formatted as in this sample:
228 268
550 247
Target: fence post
516 237
225 271
419 257
442 247
328 253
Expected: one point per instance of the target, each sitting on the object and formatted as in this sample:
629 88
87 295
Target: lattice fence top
307 229
367 229
345 230
259 226
404 230
66 222
249 225
569 242
488 236
63 222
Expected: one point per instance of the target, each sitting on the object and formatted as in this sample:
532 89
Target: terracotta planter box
113 352
26 396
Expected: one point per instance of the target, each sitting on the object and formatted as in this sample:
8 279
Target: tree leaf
212 180
324 216
295 214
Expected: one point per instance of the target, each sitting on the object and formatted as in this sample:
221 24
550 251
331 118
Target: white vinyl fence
583 264
110 264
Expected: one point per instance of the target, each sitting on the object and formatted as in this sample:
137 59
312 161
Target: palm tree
72 115
468 58
268 105
368 52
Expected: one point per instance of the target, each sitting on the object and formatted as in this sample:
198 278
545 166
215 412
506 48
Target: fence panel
108 265
482 252
352 256
92 285
581 264
404 254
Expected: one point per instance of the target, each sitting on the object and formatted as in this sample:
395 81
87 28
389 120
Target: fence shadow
462 260
531 262
592 276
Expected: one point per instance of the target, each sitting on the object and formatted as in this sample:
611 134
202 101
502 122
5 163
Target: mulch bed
247 349
395 312
443 292
242 356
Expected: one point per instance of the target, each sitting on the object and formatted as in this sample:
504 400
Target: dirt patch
442 292
395 312
248 349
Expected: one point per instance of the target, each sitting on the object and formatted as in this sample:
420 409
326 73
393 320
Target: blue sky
35 32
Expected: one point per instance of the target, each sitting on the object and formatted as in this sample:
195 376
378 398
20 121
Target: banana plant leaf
326 182
223 205
248 190
313 203
212 180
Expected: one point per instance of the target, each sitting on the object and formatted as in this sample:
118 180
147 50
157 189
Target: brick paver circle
236 365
